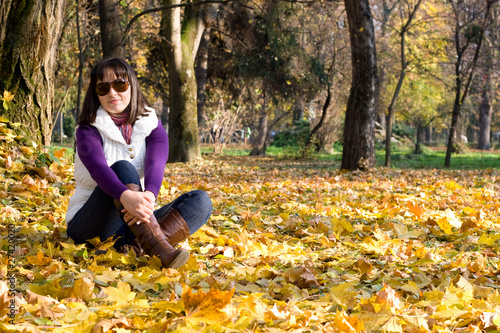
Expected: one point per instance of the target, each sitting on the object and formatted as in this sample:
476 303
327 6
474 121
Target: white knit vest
115 149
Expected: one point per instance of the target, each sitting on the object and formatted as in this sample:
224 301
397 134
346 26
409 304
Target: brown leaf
34 298
106 325
364 266
302 277
45 173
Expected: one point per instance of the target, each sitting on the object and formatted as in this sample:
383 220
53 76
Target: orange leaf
205 304
414 209
344 323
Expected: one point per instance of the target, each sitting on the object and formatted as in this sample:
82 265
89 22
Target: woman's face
114 102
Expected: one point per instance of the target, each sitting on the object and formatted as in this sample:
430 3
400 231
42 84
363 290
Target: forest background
294 244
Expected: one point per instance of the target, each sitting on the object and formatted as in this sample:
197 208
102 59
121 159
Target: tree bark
30 32
359 127
298 110
111 30
387 8
485 109
181 45
321 121
419 137
201 73
259 135
80 62
485 121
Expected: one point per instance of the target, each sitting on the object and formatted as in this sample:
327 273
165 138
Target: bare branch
158 9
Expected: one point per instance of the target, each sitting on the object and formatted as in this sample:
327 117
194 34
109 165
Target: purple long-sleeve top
88 139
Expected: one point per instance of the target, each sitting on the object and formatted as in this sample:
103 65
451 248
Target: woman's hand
137 206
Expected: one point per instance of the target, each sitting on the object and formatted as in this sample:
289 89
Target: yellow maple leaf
40 259
488 239
411 287
121 294
448 221
392 325
340 225
83 288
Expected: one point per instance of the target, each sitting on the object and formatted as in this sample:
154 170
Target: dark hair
122 70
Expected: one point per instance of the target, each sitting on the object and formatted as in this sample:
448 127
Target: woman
121 152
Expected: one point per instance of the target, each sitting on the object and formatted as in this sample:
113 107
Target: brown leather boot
174 227
152 240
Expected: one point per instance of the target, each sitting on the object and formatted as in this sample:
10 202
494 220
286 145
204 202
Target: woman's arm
156 158
89 149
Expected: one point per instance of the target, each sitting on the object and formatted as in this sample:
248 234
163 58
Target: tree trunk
298 110
30 32
183 117
485 109
390 111
80 62
387 7
111 30
181 45
450 148
259 135
485 121
321 121
402 74
201 73
359 127
428 134
418 143
463 70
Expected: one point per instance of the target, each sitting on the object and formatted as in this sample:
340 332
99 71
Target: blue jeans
99 217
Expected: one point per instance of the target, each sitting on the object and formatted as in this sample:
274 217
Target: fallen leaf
111 325
205 304
121 294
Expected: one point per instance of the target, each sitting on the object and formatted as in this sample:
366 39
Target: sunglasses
119 85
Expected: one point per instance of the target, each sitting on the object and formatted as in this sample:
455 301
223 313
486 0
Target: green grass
469 160
400 158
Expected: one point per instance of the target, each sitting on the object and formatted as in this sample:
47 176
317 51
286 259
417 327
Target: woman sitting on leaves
121 152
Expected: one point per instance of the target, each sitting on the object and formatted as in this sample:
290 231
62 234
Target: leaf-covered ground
291 246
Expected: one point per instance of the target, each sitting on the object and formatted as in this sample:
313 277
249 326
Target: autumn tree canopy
270 65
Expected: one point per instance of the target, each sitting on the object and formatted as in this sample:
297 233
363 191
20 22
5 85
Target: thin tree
488 94
468 38
80 62
402 73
